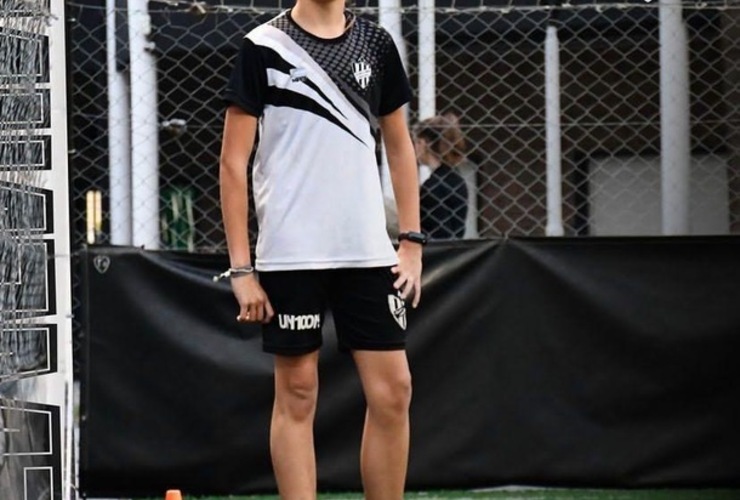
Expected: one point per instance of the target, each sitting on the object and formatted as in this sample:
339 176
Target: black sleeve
248 82
395 88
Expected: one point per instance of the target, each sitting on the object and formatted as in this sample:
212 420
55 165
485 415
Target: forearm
404 177
238 140
235 212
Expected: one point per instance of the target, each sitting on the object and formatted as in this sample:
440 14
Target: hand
408 271
254 306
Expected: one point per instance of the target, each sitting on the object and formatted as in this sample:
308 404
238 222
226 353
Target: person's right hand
254 306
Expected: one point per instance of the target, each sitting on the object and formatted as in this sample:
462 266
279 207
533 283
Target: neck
322 18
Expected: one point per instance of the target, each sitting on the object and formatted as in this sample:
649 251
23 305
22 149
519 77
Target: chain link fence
146 117
490 74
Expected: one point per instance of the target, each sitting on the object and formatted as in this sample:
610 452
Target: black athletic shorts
368 312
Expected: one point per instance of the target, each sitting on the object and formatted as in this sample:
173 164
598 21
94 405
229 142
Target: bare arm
238 141
404 177
402 166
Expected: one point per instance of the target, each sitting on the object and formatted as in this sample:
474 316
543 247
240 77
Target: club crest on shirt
362 72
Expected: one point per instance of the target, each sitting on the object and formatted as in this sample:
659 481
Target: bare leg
291 431
386 381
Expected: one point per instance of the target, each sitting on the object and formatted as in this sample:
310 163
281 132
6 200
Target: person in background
440 147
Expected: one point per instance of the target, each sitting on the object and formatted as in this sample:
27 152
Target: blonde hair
444 136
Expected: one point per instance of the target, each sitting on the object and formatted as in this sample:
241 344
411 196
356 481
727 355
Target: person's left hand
408 271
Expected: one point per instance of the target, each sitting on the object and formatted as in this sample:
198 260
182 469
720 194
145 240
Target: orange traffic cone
173 495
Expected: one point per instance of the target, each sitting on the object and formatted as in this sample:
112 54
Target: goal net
35 385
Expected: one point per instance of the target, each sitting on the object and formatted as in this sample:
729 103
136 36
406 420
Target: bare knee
389 400
296 392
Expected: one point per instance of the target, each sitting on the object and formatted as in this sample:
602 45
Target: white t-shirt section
316 183
328 200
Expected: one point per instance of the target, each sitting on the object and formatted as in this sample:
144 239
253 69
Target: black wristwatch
414 237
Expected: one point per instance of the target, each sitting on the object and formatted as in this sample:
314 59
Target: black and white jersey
316 180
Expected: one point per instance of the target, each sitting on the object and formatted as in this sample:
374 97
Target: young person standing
323 86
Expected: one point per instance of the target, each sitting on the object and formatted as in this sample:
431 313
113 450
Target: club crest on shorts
398 310
362 72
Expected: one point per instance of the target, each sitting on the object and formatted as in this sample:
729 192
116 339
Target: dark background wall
560 362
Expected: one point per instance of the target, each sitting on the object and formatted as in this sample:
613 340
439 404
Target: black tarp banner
608 362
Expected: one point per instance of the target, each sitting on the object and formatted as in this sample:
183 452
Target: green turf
536 494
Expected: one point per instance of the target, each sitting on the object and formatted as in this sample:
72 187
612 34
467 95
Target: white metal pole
427 62
60 386
119 139
389 17
675 137
553 133
144 128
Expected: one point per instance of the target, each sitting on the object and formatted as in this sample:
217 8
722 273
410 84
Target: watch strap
414 237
